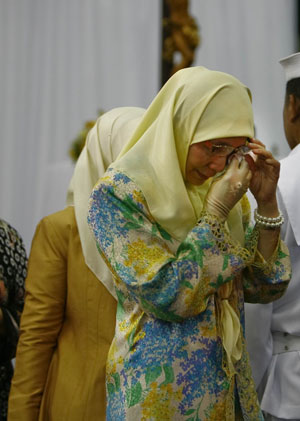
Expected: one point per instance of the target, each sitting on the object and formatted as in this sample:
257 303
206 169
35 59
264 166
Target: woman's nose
218 163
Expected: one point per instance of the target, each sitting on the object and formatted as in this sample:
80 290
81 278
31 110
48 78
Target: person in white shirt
273 331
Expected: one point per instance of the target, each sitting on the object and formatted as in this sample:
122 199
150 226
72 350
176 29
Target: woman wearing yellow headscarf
177 239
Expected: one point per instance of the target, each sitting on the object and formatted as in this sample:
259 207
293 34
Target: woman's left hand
265 175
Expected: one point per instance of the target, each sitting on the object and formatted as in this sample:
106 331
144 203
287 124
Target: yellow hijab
195 101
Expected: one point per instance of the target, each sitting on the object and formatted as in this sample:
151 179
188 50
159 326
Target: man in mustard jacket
69 316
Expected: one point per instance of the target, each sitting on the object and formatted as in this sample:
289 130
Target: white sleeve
259 338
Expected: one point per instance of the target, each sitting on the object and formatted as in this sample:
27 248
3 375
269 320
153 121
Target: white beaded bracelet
268 223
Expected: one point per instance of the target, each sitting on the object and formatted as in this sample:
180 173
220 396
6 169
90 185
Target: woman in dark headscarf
13 264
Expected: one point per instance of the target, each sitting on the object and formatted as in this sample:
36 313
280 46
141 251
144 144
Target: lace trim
226 243
266 266
250 254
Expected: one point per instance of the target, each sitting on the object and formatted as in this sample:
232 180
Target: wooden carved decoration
180 36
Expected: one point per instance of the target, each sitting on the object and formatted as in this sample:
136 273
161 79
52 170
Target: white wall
246 39
62 60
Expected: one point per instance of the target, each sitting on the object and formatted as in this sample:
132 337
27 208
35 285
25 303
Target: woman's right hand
228 189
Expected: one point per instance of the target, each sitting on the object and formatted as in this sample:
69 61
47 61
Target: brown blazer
66 330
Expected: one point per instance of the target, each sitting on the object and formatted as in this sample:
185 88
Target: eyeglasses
223 150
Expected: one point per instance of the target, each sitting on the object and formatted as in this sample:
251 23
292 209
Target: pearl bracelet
268 223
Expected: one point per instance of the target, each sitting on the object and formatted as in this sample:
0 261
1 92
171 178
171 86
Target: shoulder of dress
116 177
120 185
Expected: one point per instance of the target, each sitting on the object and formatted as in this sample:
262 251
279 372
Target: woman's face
205 159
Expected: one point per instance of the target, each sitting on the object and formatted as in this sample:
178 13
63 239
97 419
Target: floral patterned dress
167 361
13 263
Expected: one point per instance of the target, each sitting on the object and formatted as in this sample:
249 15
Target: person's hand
227 190
265 176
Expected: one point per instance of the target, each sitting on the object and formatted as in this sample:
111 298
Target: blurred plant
79 142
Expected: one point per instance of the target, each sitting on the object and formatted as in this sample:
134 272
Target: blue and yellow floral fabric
167 361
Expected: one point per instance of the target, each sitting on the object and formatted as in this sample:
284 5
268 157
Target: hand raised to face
265 174
229 188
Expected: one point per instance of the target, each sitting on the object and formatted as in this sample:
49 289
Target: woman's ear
293 108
